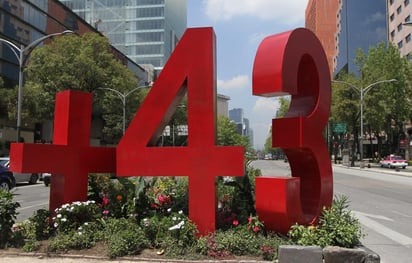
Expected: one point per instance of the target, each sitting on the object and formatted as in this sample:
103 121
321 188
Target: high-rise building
322 20
400 25
147 31
359 24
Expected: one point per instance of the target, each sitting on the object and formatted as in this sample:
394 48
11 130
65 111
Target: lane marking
31 206
383 230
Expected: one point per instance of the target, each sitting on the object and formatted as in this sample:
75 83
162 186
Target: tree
227 134
386 105
78 63
280 113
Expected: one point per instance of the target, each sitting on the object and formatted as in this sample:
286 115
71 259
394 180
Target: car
31 178
46 178
393 161
7 181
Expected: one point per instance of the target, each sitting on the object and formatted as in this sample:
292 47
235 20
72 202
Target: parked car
46 178
393 161
31 178
7 181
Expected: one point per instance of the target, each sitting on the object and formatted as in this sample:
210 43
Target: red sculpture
294 63
191 69
289 63
70 158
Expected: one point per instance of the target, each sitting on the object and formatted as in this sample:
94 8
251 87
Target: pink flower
235 222
106 212
256 229
249 219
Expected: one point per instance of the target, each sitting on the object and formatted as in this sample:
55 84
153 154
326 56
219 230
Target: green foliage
69 217
228 136
239 241
83 63
280 113
124 237
85 236
8 214
337 227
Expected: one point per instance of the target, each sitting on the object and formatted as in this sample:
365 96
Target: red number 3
294 63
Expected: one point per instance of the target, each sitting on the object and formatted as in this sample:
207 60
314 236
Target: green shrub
337 227
69 217
8 214
124 237
84 237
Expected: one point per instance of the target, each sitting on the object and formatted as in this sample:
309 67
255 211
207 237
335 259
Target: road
31 198
379 197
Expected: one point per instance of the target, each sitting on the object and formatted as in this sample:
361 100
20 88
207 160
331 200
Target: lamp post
123 97
362 92
22 53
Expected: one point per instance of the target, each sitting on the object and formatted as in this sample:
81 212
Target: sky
240 26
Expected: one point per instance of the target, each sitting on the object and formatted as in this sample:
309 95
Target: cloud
290 12
237 82
266 107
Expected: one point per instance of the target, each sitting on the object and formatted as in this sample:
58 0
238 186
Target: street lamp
22 53
123 97
362 92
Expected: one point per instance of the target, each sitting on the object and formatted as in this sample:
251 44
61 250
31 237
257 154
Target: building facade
359 24
321 18
22 22
147 31
400 25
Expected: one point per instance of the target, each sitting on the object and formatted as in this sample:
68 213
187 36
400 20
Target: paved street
381 198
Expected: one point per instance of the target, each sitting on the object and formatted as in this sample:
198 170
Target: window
408 38
399 10
406 2
393 34
391 2
392 17
407 19
400 44
400 27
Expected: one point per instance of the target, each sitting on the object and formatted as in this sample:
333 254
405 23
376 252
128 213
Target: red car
393 161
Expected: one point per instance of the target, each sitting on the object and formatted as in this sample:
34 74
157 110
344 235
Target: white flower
86 224
64 219
56 225
180 212
178 226
59 215
79 233
174 218
169 210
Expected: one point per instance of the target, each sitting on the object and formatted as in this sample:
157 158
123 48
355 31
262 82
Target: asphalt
12 257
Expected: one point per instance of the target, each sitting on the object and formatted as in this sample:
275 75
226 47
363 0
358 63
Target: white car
31 178
393 161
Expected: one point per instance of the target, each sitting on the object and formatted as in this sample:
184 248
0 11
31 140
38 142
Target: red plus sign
70 158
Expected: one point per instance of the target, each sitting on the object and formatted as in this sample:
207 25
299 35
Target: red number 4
191 69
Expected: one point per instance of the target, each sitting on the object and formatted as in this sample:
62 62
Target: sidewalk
374 167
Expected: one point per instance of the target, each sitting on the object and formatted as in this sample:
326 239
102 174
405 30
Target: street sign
339 128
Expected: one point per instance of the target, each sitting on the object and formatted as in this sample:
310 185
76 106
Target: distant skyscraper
236 115
359 24
147 31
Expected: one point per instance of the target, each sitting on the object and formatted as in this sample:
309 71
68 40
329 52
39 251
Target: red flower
235 222
105 200
249 219
256 229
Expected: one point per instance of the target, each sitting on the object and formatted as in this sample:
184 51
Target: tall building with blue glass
147 31
360 24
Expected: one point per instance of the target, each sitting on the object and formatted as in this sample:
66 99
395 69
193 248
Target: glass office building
361 24
147 31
